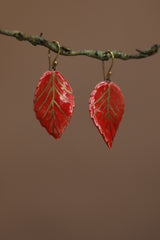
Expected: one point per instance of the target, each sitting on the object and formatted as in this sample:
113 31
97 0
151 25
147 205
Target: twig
101 55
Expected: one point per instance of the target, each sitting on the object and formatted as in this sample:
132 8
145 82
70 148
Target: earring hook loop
54 63
107 77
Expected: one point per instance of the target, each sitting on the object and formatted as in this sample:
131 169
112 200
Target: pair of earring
54 102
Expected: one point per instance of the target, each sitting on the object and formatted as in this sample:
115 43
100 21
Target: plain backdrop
76 188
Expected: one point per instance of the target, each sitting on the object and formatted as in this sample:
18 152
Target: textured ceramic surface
106 107
53 102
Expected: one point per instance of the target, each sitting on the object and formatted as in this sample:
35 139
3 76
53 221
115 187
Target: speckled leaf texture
53 102
106 106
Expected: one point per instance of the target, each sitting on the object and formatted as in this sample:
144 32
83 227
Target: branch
101 55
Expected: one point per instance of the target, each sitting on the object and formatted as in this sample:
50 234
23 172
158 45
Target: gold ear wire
107 77
54 63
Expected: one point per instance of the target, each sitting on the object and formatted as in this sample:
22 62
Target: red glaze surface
106 106
53 102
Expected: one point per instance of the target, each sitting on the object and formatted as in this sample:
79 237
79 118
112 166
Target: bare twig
101 55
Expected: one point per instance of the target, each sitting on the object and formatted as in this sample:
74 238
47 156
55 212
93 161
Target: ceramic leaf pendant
106 107
53 102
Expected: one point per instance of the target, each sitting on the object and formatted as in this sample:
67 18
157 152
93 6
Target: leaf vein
116 95
46 111
44 100
44 89
58 80
61 110
100 98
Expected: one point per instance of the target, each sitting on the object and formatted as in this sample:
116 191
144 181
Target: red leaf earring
53 99
106 106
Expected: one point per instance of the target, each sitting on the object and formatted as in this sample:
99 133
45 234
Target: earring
106 106
53 99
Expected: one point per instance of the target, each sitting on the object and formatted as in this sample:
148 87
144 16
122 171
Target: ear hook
107 77
54 63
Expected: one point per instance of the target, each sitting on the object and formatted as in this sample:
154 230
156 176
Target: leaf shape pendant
53 102
106 106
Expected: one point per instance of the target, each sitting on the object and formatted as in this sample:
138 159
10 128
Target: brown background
75 188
